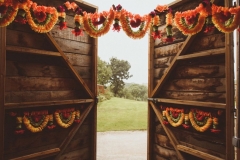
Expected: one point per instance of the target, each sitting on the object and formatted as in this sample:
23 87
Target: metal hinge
154 100
236 142
96 100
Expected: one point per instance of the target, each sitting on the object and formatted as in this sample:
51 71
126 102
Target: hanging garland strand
42 19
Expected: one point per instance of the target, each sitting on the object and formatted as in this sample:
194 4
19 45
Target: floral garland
226 19
129 21
200 120
65 117
174 116
42 19
36 121
191 22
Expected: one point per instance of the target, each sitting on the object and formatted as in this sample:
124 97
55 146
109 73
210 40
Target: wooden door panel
191 88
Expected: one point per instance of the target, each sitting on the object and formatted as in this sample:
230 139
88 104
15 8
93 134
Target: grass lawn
118 114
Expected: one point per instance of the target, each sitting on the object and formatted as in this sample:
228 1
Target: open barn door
48 91
191 94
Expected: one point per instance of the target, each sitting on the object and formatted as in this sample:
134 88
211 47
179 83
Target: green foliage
136 92
120 71
104 72
120 114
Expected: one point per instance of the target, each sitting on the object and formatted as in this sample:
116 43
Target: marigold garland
9 16
144 26
175 121
91 29
200 125
36 125
231 23
65 117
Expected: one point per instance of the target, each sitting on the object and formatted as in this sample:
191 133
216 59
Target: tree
120 72
138 91
104 72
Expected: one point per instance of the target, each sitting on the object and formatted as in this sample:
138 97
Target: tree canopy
120 71
104 72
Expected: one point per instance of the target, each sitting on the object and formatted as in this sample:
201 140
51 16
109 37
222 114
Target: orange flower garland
205 125
47 25
91 29
195 27
9 16
231 23
124 19
65 117
180 116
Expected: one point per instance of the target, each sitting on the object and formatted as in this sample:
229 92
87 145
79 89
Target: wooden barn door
48 91
191 95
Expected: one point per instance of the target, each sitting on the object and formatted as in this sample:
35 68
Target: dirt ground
122 145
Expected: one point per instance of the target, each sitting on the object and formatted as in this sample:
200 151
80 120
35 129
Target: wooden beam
70 66
172 65
229 90
39 154
203 53
32 51
193 103
167 130
45 103
197 153
2 86
74 130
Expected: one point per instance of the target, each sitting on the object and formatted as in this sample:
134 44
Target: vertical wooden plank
229 90
94 85
150 128
237 91
2 85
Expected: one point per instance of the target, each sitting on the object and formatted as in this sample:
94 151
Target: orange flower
161 8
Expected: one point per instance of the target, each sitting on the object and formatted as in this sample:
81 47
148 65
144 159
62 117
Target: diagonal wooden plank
2 85
186 44
168 131
72 133
69 65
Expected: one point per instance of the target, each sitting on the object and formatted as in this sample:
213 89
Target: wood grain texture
165 153
82 154
169 50
79 60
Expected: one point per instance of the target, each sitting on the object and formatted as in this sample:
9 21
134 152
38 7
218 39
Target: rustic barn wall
189 78
50 74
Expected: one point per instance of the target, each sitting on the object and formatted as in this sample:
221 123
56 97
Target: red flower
61 9
77 31
135 23
3 9
185 126
20 19
62 25
77 120
169 39
190 19
165 122
209 28
51 126
19 131
41 16
156 34
116 27
101 20
224 16
215 131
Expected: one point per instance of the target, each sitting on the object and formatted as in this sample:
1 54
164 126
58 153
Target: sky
119 45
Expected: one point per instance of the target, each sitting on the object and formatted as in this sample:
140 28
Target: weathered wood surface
36 70
67 34
31 40
207 42
200 71
83 154
196 84
166 153
33 96
163 62
79 60
169 50
196 96
84 72
70 46
163 141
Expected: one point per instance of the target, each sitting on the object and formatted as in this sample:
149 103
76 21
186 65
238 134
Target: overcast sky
119 45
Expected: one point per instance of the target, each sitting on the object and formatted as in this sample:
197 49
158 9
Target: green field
118 114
